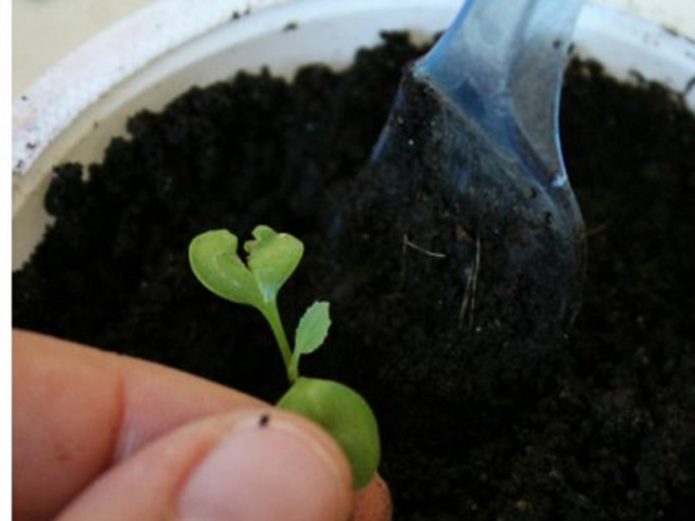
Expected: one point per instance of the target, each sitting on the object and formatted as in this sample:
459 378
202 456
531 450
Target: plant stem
293 368
272 315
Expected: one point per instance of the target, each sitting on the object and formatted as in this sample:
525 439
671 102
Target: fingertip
373 502
260 464
269 467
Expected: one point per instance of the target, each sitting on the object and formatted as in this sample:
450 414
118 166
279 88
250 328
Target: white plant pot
146 60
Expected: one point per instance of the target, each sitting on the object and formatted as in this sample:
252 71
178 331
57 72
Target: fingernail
265 470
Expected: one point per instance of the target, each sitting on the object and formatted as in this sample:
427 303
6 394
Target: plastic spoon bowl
474 130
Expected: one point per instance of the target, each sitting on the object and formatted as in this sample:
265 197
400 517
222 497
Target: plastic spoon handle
501 62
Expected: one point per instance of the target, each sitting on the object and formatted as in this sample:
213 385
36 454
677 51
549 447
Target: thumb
259 464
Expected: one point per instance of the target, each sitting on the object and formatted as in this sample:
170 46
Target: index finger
77 411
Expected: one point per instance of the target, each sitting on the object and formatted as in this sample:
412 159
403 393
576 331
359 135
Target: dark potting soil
598 425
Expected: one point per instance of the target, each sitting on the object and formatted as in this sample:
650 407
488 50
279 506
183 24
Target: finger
373 502
260 465
76 411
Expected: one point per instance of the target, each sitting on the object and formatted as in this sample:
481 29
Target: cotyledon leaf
273 257
214 260
346 416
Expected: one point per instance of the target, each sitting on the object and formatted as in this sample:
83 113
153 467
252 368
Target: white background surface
46 30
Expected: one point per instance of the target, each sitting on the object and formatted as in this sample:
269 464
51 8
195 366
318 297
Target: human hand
102 436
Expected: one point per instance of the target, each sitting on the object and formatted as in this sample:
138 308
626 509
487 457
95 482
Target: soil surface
481 420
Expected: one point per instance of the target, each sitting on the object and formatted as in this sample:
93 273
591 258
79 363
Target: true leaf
312 329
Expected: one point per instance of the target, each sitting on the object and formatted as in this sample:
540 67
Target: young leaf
273 257
310 334
214 260
312 329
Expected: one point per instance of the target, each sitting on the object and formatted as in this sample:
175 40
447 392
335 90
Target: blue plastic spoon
474 131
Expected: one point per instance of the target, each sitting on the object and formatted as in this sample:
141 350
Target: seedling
271 259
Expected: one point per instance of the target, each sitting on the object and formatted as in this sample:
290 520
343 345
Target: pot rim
80 79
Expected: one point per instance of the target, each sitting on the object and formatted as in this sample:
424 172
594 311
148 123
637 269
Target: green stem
271 314
293 368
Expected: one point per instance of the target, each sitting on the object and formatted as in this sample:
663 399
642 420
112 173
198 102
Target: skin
89 427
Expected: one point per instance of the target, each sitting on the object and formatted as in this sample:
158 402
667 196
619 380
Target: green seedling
271 259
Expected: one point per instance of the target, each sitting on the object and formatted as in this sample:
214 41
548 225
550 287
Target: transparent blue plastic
501 63
476 121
